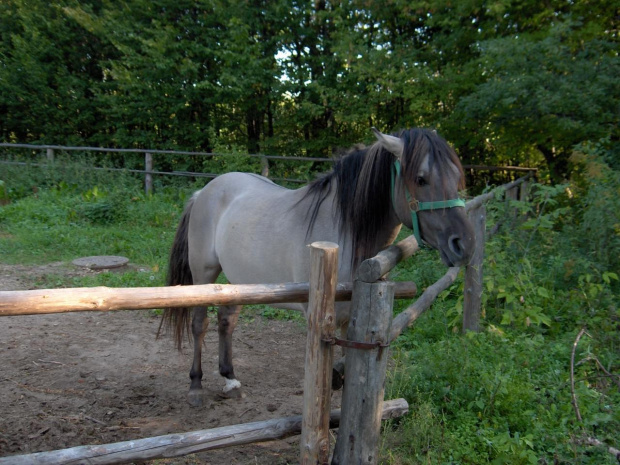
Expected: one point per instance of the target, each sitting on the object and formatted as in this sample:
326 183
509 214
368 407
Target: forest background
507 82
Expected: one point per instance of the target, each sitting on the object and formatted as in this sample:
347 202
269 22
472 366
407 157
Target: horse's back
255 230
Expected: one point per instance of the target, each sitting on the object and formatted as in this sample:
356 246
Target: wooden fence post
50 154
362 399
148 177
512 194
264 166
524 191
473 272
314 443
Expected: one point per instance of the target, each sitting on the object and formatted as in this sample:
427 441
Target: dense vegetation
505 81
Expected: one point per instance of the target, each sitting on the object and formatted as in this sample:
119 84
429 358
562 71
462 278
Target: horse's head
426 179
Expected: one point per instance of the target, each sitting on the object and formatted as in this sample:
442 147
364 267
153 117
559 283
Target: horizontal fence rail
180 444
148 170
103 299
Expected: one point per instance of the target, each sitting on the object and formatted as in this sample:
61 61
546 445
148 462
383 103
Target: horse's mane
362 179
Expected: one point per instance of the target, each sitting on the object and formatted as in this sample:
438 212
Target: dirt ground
99 377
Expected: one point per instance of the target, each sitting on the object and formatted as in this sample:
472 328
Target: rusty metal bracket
358 345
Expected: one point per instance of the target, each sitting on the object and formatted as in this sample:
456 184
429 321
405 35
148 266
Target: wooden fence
362 402
149 164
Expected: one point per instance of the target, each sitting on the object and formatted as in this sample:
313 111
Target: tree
49 68
543 95
506 81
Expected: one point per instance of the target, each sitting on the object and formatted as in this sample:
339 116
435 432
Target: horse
255 231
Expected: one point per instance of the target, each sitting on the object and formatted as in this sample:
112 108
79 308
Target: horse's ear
392 144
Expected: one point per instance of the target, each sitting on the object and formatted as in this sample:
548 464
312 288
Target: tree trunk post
362 399
473 273
314 443
512 194
148 177
524 191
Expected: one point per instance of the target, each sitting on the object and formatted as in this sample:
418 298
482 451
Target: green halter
416 206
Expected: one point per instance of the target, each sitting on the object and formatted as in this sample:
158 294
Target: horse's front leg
200 324
227 317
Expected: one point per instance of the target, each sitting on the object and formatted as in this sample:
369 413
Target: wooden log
374 268
524 191
473 273
148 177
500 168
510 195
411 313
314 443
362 398
103 299
177 445
479 200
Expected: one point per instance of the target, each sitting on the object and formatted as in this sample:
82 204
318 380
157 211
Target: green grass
61 226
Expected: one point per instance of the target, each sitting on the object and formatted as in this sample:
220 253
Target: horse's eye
420 181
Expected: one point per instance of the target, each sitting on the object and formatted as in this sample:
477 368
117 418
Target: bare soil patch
99 377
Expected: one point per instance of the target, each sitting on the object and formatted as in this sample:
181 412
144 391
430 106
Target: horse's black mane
362 178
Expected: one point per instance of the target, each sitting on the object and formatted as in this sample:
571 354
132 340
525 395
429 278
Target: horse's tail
179 273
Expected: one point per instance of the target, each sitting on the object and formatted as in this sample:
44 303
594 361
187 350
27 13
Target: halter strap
415 206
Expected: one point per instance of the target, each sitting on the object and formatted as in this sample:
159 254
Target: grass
61 225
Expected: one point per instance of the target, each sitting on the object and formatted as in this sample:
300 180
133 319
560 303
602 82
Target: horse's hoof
232 390
232 394
195 397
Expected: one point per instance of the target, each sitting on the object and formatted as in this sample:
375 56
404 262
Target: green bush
504 396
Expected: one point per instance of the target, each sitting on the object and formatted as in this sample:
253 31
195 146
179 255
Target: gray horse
255 231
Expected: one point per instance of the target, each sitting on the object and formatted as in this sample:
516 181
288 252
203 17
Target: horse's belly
254 249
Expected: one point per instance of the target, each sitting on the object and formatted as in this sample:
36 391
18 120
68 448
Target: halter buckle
414 205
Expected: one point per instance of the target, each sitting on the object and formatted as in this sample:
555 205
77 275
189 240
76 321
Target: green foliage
494 398
4 193
596 175
506 82
135 277
503 396
99 208
272 313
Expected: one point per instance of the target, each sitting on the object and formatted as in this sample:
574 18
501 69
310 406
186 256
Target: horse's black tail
179 273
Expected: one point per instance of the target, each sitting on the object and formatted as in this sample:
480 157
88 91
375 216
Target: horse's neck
387 232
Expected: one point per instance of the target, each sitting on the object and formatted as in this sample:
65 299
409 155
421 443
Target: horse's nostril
454 242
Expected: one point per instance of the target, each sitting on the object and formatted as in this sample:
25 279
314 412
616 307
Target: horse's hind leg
200 324
227 317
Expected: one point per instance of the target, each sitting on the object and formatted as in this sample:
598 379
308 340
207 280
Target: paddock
107 414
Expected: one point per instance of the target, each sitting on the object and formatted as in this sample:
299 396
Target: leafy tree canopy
507 81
